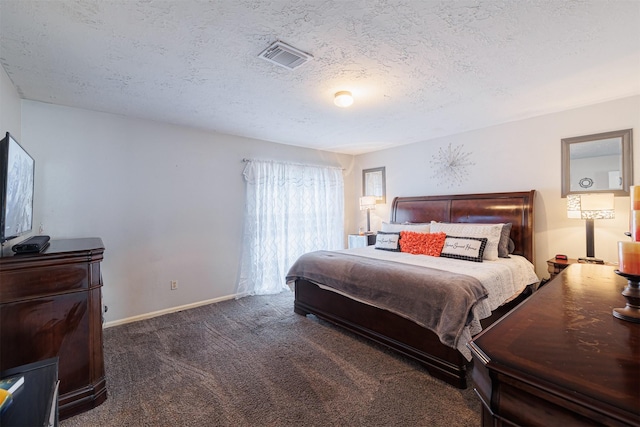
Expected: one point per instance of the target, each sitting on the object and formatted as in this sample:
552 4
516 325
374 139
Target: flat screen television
17 172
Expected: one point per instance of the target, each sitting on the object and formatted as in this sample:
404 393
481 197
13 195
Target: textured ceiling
418 69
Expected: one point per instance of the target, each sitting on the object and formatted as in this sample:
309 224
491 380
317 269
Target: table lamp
368 203
590 207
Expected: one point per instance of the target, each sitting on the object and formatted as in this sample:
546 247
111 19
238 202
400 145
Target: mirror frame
379 200
627 161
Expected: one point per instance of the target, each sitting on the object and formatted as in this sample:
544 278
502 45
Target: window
290 209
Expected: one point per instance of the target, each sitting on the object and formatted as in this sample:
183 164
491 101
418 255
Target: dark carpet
254 362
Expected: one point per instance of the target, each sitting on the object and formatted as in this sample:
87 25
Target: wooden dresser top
565 340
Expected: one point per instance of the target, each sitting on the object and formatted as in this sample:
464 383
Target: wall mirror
374 184
600 163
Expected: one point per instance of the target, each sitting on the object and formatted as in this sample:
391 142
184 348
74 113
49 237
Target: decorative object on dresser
629 265
634 219
574 365
394 330
367 203
631 311
590 207
51 306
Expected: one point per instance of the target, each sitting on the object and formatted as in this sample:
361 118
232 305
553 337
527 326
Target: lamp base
631 312
591 260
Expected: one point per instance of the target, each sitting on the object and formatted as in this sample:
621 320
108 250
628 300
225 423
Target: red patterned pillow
422 243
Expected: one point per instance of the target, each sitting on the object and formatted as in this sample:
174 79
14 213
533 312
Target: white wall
518 156
167 201
10 121
9 107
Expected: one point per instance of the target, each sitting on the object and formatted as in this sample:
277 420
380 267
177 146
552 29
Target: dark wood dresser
51 306
561 358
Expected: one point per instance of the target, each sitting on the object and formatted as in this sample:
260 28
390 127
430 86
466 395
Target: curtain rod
245 160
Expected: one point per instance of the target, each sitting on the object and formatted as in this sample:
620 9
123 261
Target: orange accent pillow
422 243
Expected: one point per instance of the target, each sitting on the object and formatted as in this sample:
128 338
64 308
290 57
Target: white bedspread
504 279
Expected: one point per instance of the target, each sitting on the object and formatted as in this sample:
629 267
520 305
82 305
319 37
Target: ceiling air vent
285 56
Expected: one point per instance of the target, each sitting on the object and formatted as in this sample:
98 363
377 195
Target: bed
401 332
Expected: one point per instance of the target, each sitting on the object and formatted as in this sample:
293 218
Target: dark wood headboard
488 208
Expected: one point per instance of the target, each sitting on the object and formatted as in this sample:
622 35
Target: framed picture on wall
599 163
374 184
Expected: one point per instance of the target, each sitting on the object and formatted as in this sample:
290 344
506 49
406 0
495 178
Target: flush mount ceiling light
343 98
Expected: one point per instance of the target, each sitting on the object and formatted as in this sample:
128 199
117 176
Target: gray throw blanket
438 300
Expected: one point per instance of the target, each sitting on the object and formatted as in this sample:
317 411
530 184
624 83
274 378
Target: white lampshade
591 206
367 202
343 98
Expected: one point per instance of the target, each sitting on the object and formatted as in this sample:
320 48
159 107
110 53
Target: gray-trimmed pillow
388 241
464 248
503 245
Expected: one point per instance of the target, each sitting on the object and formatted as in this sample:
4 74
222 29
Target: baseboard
166 311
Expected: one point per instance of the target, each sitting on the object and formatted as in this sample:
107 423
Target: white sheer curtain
290 209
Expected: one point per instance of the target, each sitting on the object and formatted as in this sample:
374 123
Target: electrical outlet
174 285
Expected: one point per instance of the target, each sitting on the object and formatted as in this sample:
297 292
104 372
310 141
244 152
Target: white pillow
396 228
491 231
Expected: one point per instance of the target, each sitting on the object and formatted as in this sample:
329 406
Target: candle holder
631 312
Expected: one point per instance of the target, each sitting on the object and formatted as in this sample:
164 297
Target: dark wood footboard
391 330
384 327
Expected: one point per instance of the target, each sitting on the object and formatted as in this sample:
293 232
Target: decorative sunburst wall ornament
451 165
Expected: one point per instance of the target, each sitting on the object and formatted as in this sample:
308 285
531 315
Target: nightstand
555 266
360 241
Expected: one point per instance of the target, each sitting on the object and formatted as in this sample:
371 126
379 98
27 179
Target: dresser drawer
34 283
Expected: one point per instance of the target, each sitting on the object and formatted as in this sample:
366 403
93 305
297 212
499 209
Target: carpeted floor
254 362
